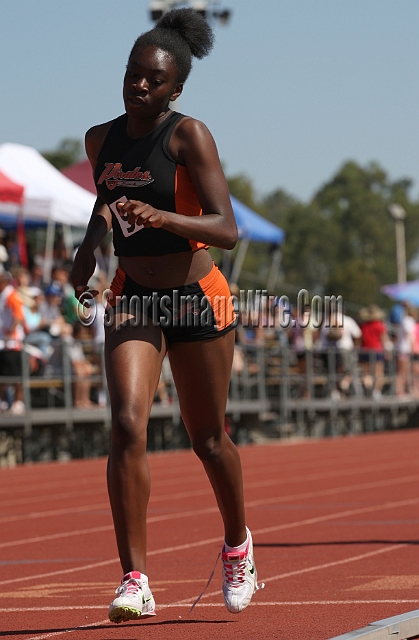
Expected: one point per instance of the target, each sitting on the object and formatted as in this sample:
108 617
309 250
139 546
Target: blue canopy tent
403 292
8 221
253 228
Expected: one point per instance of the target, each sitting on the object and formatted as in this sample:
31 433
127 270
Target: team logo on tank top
113 176
126 227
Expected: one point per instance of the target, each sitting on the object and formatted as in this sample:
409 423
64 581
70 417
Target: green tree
258 257
342 242
68 152
241 187
354 205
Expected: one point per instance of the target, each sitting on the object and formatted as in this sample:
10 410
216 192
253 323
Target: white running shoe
134 600
239 577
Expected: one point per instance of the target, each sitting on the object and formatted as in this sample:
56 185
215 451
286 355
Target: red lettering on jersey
113 173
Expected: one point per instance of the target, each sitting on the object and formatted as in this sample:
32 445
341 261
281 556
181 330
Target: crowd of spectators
361 353
42 320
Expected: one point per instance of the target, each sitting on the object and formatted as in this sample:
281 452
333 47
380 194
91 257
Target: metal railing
274 392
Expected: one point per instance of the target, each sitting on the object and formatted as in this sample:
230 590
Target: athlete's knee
129 429
208 449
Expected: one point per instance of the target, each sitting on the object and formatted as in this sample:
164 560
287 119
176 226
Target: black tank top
143 169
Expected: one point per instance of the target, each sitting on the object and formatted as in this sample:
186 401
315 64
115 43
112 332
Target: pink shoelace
206 586
130 587
235 573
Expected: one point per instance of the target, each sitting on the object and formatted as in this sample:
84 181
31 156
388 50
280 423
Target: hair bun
190 26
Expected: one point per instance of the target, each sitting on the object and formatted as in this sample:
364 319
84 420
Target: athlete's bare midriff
172 270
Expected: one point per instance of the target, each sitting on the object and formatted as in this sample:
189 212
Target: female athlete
161 188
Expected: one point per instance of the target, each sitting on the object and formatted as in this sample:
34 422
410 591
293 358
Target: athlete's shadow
331 543
105 627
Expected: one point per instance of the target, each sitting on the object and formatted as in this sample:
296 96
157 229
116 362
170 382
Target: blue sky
292 89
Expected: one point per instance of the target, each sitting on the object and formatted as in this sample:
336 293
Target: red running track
335 526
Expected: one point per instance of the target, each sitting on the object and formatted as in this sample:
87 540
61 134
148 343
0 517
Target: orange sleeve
186 200
15 305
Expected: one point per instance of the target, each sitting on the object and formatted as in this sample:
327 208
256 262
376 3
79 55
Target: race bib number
128 229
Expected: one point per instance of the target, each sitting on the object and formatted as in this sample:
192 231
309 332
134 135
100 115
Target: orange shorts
201 310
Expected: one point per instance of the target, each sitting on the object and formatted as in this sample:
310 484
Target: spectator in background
396 313
4 256
374 342
98 329
302 336
35 325
81 366
52 317
22 278
60 279
415 366
341 331
37 274
164 386
11 340
71 346
12 250
406 337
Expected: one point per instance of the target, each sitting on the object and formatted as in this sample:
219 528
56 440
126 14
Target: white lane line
353 470
60 633
189 601
289 525
55 512
212 604
76 494
33 486
206 491
55 497
333 516
299 604
196 512
328 474
48 574
55 536
318 567
335 491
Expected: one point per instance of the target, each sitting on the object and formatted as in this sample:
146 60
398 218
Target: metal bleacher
270 397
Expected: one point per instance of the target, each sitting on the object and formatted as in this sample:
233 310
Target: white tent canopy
48 194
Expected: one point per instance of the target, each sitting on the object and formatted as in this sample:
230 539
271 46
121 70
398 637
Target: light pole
158 8
399 214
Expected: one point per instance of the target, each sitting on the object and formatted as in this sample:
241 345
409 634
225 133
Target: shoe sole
125 614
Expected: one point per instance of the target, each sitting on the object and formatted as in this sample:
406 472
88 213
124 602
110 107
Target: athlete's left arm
194 146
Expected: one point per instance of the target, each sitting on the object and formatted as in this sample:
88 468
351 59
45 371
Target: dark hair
181 32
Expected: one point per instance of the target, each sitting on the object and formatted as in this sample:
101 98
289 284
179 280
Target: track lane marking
184 479
59 633
196 512
57 497
209 491
319 567
290 525
212 604
336 490
188 601
257 454
55 512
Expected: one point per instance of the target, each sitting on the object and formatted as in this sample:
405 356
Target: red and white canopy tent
48 196
81 174
11 200
11 193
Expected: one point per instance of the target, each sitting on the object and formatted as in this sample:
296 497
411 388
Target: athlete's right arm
100 220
